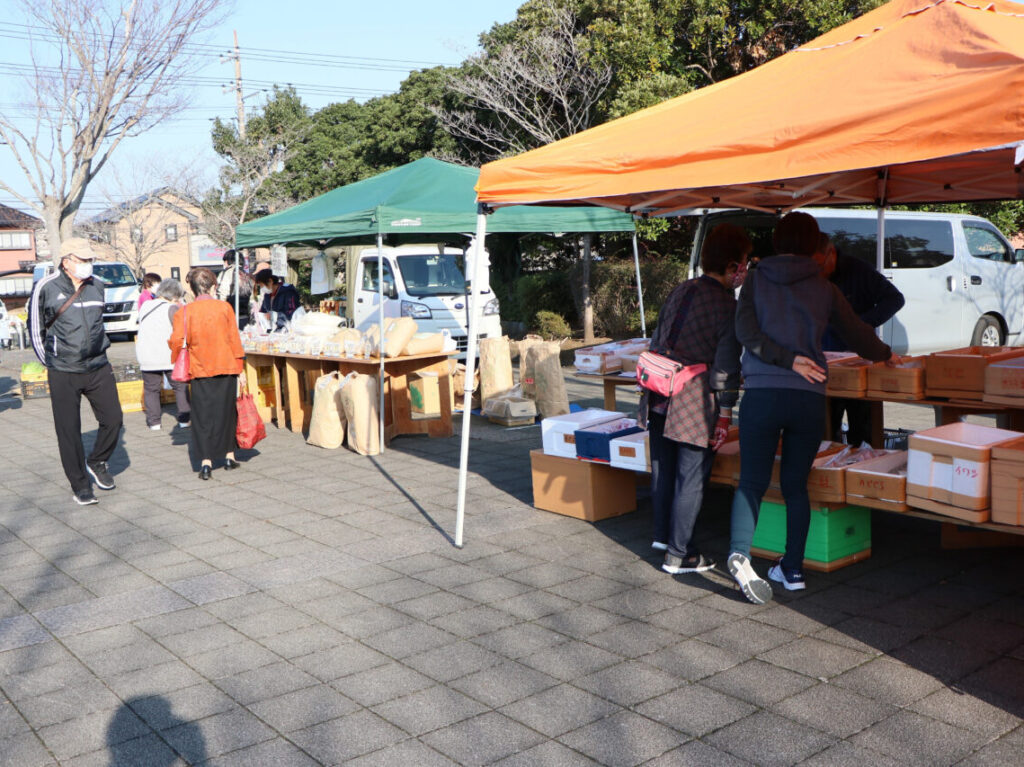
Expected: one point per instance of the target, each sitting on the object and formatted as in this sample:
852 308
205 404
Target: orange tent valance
912 102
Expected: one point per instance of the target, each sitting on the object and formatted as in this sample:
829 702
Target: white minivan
425 282
120 294
963 282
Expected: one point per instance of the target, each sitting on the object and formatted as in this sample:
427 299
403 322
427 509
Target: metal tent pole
639 286
380 333
467 398
236 285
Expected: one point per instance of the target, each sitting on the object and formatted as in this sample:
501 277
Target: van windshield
432 274
115 275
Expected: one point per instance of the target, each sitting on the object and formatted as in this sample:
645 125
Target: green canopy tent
424 198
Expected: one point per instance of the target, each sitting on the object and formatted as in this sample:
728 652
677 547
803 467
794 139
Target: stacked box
607 358
848 377
1004 382
1008 483
558 433
129 393
581 489
35 389
838 535
824 484
905 381
960 373
879 483
948 469
593 443
632 451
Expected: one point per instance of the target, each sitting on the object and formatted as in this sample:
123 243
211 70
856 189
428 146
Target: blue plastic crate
595 446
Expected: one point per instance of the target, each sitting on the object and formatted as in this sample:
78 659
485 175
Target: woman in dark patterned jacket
696 326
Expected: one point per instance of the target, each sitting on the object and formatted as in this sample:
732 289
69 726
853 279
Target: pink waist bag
664 376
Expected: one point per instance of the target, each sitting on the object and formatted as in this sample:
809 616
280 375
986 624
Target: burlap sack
495 367
459 387
359 401
549 383
526 378
398 333
327 424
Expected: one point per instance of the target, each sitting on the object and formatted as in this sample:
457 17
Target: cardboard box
1004 382
511 411
424 395
632 451
948 469
725 469
558 433
824 484
838 535
876 483
607 358
593 443
129 393
903 382
960 373
581 489
1008 483
848 377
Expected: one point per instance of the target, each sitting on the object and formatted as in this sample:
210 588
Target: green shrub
613 293
543 292
551 326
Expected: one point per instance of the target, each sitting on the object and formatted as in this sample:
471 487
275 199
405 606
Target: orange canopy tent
912 102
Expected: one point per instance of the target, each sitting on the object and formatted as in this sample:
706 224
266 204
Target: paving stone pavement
310 609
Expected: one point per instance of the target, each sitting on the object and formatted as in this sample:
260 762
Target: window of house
171 232
136 234
15 241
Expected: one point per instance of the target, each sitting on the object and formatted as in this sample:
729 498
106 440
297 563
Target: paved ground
310 609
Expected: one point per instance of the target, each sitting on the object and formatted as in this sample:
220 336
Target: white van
962 280
121 294
424 282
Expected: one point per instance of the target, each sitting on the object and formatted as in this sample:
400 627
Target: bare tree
539 88
102 71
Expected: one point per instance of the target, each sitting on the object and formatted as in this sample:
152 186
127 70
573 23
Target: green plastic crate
834 533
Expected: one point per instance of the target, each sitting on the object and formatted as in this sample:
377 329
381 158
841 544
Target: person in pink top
149 286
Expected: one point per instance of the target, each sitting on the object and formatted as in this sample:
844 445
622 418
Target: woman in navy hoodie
784 308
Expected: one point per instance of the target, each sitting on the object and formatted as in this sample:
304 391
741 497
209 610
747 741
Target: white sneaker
659 546
754 587
155 427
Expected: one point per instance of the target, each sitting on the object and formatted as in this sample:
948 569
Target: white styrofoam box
607 358
632 451
950 464
558 430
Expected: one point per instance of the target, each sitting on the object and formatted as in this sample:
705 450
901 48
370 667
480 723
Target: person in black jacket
69 339
875 300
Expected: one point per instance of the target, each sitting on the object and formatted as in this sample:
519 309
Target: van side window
370 275
918 244
983 242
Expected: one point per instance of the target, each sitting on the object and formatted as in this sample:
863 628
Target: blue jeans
679 473
766 414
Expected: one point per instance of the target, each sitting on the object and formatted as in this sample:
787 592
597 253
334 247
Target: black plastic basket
896 439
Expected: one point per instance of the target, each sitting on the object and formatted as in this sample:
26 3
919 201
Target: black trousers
858 416
214 416
66 391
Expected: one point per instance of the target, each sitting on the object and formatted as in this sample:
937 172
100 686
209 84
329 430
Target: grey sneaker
754 587
100 475
84 497
695 563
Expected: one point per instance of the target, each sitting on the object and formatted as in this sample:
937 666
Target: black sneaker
100 475
85 497
793 580
695 563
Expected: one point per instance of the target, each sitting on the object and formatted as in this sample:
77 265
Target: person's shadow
128 749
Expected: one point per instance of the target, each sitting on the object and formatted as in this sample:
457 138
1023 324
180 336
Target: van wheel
988 332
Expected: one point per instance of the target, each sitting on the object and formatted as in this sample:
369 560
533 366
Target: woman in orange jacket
215 363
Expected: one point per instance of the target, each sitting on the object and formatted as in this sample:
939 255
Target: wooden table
294 375
610 382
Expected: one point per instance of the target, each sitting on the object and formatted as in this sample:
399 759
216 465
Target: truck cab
426 283
120 294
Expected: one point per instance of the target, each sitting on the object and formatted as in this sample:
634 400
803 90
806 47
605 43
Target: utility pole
239 103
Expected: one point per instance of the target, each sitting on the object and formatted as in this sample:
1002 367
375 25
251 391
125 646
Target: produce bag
249 429
371 342
359 401
549 384
397 334
425 343
495 367
526 379
327 424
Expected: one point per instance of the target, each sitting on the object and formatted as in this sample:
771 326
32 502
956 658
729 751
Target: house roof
118 212
12 218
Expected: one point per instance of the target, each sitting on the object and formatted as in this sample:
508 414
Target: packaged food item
397 334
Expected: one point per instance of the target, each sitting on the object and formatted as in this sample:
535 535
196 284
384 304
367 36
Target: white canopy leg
639 286
380 333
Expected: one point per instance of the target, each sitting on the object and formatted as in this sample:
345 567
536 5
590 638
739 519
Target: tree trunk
588 307
54 227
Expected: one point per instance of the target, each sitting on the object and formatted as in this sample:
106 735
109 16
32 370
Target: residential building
17 245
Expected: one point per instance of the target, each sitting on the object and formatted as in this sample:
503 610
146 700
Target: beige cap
78 247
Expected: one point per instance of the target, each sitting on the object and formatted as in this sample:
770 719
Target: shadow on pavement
128 750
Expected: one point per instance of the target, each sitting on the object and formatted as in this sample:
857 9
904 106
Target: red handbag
182 368
250 428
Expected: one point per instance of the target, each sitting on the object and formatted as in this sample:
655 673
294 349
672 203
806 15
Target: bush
542 292
551 326
613 293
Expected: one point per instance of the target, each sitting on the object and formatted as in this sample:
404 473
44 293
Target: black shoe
100 475
695 563
231 464
205 472
85 497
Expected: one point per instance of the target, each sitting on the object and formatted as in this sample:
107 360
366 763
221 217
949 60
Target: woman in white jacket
155 356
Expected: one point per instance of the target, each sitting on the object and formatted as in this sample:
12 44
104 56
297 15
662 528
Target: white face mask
82 271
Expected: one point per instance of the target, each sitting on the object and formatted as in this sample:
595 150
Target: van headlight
416 311
492 307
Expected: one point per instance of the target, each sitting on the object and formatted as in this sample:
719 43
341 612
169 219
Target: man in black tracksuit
68 337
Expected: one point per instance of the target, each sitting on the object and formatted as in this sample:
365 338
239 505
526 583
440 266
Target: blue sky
385 40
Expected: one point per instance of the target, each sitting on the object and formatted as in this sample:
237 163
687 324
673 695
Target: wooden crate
903 382
35 389
960 373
